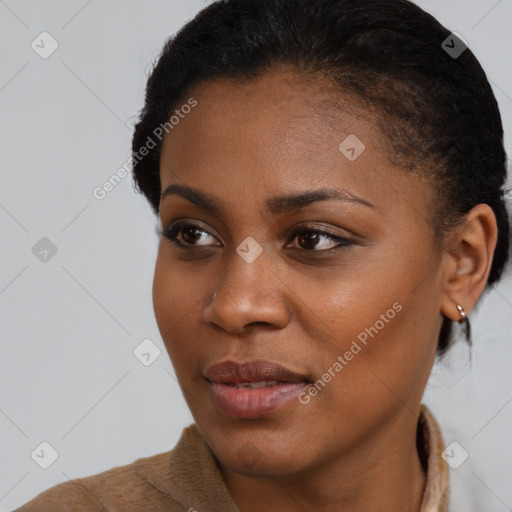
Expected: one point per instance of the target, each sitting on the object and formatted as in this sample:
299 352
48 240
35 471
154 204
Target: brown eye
310 239
191 235
186 234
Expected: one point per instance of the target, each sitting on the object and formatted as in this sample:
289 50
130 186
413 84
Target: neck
383 473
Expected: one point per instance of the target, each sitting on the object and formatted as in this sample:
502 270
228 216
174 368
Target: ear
467 260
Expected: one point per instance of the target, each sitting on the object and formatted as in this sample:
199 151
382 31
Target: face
341 290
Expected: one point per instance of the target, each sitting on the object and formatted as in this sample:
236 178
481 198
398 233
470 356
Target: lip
283 385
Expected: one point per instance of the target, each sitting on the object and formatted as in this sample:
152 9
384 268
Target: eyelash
172 235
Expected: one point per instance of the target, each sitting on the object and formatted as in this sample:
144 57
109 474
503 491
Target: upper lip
251 371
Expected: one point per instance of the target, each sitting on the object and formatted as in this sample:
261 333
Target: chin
261 456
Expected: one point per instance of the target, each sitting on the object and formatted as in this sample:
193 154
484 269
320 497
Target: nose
248 294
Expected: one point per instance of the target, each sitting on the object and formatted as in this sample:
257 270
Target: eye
187 234
186 231
309 238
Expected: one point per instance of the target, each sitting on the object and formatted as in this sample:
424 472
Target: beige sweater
186 479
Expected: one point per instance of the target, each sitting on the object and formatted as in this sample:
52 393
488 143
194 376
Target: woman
329 179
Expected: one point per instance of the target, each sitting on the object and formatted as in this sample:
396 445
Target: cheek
386 356
383 325
163 295
363 384
179 299
173 298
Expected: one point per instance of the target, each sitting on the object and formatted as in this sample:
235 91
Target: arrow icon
44 455
44 45
44 250
249 249
352 147
454 455
146 352
454 45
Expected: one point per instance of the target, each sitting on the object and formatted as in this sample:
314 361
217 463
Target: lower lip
252 403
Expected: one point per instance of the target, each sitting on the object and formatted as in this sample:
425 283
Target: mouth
252 385
253 389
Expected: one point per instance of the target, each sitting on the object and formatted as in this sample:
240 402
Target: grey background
68 374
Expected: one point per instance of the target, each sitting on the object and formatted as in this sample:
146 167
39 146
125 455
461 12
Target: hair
437 110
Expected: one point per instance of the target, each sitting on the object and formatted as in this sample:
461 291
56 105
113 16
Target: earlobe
467 262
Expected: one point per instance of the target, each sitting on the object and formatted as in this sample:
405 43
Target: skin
353 446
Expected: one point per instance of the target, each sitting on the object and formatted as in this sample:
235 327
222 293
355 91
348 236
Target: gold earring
462 313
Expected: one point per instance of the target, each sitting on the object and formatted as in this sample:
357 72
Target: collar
430 447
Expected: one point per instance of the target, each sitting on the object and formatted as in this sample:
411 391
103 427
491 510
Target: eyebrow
274 205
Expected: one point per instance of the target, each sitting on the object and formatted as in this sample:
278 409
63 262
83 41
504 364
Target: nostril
264 324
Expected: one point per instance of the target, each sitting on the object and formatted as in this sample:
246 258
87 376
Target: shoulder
122 488
183 479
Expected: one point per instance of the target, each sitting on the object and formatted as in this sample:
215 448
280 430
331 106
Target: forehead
280 133
280 102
